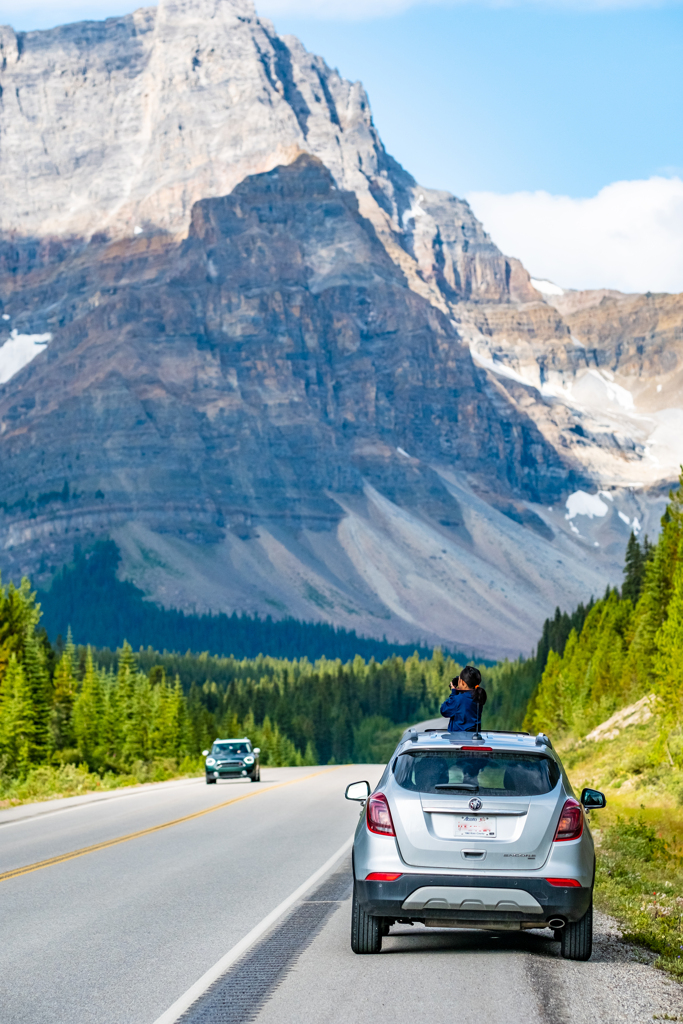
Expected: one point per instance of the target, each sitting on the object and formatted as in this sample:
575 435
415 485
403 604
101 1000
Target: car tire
577 937
255 777
211 782
366 931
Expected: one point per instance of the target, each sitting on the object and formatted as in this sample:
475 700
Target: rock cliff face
239 338
272 388
601 374
121 126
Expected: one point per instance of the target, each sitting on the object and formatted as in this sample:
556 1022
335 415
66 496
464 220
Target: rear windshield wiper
458 785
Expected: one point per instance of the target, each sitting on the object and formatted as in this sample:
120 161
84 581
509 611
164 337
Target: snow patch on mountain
18 351
546 287
580 503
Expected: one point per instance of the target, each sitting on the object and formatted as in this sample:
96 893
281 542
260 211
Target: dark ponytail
479 695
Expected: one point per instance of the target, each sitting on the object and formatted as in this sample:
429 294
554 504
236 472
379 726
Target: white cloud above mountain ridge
629 236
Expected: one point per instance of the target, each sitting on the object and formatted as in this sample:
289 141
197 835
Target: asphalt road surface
119 933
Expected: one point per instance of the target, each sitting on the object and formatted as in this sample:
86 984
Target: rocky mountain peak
119 127
240 339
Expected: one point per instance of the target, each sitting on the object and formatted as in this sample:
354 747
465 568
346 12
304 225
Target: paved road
115 936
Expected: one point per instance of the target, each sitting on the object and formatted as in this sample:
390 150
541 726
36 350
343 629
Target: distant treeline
630 645
114 713
511 684
100 610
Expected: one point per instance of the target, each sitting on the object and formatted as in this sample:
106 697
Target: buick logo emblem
475 804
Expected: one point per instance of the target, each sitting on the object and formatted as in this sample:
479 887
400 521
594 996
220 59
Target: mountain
601 375
240 340
120 126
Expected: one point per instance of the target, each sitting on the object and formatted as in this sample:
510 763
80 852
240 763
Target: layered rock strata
238 337
121 126
272 376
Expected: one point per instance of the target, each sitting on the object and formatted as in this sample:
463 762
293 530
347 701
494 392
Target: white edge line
214 973
99 798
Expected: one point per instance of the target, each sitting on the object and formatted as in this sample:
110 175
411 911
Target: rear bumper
539 902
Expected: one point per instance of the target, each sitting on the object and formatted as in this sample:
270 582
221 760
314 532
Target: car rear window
491 773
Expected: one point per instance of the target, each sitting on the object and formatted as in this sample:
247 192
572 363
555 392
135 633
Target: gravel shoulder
428 975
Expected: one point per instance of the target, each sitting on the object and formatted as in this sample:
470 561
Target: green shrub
635 839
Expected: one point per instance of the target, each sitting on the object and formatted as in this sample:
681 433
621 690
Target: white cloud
629 236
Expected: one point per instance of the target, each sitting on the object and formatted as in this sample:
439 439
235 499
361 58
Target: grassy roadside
48 782
639 836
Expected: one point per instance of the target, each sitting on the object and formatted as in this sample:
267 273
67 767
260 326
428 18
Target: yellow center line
16 872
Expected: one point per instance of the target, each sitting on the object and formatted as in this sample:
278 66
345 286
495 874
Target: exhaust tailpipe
556 922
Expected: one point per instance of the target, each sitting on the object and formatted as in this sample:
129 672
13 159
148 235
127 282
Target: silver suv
474 831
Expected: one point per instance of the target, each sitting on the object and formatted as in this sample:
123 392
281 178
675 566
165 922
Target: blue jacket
463 710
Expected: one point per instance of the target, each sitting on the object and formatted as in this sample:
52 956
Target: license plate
475 825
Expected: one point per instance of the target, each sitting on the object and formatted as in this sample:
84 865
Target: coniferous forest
88 598
122 715
630 645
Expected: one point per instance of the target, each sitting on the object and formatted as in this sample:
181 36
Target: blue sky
476 98
497 103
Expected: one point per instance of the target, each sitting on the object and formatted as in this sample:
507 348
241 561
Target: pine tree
634 569
18 615
88 714
668 659
137 743
310 756
16 719
39 685
63 696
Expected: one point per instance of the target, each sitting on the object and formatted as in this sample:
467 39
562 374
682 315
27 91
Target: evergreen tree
634 569
668 659
63 696
88 714
16 719
39 685
623 652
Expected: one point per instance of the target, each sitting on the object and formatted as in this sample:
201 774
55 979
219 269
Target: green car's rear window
490 773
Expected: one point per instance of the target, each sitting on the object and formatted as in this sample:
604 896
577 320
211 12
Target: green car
232 759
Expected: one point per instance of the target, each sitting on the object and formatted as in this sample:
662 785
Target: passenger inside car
492 774
430 772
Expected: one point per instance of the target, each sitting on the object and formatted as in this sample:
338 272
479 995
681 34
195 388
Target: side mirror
205 753
592 799
256 750
357 791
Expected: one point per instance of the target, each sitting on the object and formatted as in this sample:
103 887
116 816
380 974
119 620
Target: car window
230 748
491 773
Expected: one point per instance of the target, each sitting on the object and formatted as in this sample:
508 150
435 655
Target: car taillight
570 825
379 815
382 876
476 748
568 883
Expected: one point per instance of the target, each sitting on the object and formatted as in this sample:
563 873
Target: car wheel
254 777
577 937
210 782
366 931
